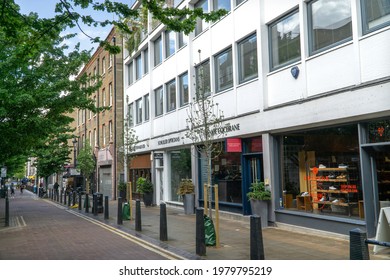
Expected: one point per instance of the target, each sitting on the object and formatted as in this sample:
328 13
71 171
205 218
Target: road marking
165 253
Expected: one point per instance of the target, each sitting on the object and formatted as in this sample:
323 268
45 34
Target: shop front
140 166
238 164
334 178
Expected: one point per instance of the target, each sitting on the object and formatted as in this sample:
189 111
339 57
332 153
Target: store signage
225 129
169 140
158 155
139 147
233 145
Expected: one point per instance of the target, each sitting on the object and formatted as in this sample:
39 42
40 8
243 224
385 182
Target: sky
45 8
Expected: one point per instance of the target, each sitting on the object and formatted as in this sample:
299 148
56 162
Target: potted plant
122 187
145 187
259 197
187 191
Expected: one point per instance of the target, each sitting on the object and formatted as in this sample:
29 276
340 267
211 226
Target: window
158 52
138 68
159 101
182 40
201 24
171 95
110 94
223 70
103 65
95 137
138 110
329 23
203 85
130 114
96 105
104 97
247 58
111 56
238 2
130 77
376 14
221 4
170 43
146 61
147 107
110 130
284 40
104 134
183 89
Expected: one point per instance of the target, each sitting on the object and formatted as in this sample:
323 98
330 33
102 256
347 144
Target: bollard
106 216
80 201
200 233
6 211
94 207
163 222
65 198
256 239
138 223
69 198
61 193
73 198
358 248
86 203
119 218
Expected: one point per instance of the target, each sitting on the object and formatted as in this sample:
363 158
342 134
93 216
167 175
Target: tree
205 124
86 163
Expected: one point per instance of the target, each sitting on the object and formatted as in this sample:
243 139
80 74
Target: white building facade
304 87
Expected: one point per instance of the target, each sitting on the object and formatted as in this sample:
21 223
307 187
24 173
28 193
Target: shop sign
233 145
169 141
158 155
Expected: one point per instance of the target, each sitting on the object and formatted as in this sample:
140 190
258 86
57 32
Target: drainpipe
115 142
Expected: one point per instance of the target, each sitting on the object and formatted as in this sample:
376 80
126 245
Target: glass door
382 164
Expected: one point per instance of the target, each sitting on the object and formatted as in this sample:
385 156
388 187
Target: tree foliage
38 91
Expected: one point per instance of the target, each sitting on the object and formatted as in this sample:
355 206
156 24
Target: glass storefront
180 169
321 172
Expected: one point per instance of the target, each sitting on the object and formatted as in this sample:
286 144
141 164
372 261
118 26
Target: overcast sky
45 8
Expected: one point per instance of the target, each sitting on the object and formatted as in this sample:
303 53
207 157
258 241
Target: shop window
376 14
285 40
330 23
223 70
379 131
180 169
320 172
247 58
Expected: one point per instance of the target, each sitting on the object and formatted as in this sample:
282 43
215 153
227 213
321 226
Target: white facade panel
246 19
249 97
222 34
283 88
332 70
275 9
375 56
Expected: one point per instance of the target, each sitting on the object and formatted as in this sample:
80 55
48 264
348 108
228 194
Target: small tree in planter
187 190
259 197
145 187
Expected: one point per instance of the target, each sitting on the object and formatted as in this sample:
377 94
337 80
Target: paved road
42 230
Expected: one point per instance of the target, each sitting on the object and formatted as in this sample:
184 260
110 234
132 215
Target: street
42 230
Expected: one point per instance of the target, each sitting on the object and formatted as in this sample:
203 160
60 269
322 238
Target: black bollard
65 198
138 223
163 222
61 193
119 218
6 211
69 198
358 248
95 206
80 201
106 216
200 243
256 239
86 203
73 198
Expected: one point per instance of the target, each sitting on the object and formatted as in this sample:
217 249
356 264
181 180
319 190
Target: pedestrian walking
12 190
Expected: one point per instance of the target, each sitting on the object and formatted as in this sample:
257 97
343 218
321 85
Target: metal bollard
358 248
163 222
200 244
6 211
256 239
80 201
138 223
119 218
86 203
61 193
69 198
106 216
65 198
95 207
73 198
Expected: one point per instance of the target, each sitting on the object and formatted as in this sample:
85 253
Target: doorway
252 172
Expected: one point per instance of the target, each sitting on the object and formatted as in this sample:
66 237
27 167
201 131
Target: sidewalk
280 243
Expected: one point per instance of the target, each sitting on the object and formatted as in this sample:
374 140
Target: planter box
260 208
